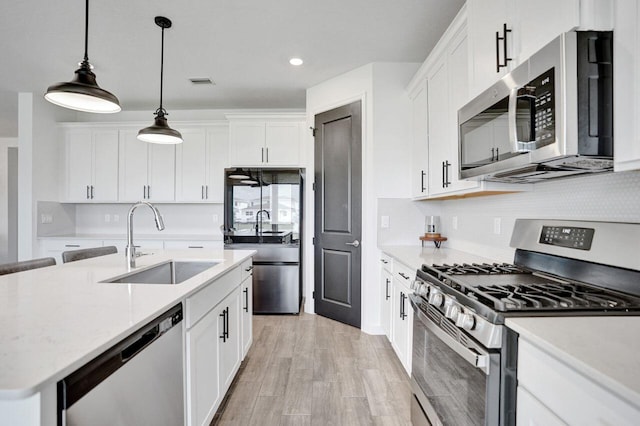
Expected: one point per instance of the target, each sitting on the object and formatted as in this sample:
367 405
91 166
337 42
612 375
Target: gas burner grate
479 269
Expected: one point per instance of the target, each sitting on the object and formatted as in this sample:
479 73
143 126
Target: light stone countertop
123 236
415 256
55 319
604 349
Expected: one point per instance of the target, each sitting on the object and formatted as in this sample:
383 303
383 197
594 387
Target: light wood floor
310 370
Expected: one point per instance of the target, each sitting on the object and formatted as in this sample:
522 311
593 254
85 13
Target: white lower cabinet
552 392
386 286
402 315
213 345
246 303
203 392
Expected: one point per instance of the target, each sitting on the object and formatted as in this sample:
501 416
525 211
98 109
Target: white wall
39 164
386 142
5 143
609 197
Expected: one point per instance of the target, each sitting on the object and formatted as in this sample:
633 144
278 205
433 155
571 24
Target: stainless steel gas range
464 358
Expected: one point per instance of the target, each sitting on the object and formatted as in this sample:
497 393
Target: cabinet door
538 22
420 148
229 352
246 143
439 133
247 314
191 166
203 392
485 18
282 142
218 158
386 297
458 75
133 167
399 315
532 412
161 172
79 153
105 166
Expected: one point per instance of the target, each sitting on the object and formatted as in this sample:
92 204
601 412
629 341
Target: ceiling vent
201 81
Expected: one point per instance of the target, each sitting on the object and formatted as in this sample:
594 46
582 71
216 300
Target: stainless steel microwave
552 116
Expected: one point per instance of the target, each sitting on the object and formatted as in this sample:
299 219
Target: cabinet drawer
184 245
386 261
573 397
246 269
207 298
403 275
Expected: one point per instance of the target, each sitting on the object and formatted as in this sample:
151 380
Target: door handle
355 244
387 290
422 181
224 325
246 299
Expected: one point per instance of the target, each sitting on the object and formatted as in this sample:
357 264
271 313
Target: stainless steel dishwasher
139 381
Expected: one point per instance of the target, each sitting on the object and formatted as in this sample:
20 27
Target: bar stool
25 265
73 255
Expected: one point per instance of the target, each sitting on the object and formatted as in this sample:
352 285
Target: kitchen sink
170 272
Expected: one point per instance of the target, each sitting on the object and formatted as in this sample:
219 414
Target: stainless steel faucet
259 224
130 249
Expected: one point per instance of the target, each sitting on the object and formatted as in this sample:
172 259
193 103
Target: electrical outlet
454 222
497 223
116 218
107 218
384 221
215 218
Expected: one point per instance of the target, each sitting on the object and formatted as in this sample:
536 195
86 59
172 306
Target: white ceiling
243 45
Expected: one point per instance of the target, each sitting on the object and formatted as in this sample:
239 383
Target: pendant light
160 132
83 92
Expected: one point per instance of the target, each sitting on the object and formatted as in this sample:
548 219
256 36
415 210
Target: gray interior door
338 213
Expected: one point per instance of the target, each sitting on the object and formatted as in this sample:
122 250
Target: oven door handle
474 356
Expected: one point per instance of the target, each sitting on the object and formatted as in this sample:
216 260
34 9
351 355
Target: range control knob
452 311
466 320
436 298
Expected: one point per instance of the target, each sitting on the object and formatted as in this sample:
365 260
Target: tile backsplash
607 197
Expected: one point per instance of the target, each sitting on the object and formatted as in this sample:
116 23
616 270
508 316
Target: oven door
455 380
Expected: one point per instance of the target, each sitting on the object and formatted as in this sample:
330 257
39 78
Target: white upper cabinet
265 141
503 33
147 171
420 141
200 163
91 165
447 88
626 80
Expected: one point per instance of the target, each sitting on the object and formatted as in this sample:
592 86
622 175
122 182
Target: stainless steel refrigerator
263 211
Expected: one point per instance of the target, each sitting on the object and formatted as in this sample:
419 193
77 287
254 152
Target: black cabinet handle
87 192
249 268
507 59
224 325
226 318
422 181
92 192
386 294
206 192
403 314
447 182
149 191
202 192
403 275
443 172
246 299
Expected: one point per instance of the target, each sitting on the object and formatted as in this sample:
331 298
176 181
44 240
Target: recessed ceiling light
296 61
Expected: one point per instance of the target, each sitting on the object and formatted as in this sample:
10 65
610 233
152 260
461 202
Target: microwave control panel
544 108
567 236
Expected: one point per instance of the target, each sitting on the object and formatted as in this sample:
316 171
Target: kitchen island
54 320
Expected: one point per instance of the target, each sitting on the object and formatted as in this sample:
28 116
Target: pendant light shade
238 173
160 132
83 92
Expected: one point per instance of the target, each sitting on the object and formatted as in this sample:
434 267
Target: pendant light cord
86 32
161 70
